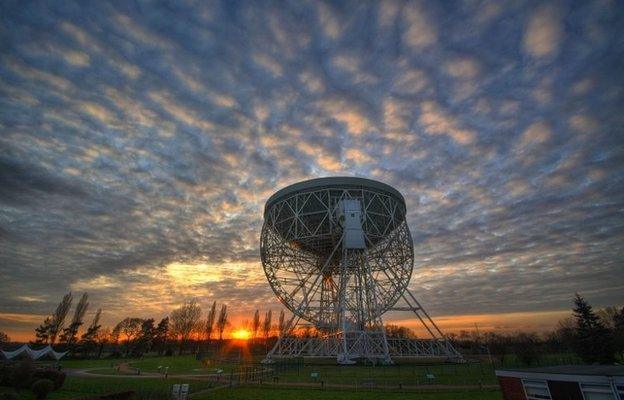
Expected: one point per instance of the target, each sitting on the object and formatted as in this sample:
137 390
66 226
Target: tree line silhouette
594 336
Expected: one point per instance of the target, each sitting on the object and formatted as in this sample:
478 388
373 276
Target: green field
310 381
393 375
255 393
76 387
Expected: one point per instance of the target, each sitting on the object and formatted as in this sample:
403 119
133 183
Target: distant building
26 351
566 382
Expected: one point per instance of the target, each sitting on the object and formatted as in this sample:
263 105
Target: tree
184 320
222 321
497 345
130 328
593 341
161 334
58 318
618 332
48 331
527 348
255 324
70 333
608 316
4 338
563 337
145 337
280 323
395 331
89 338
210 320
42 333
102 338
266 325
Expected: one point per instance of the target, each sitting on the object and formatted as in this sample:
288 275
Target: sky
140 140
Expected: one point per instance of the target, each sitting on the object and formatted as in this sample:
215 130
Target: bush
22 374
42 387
9 396
6 374
57 377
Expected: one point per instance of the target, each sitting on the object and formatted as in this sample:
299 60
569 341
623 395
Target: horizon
139 145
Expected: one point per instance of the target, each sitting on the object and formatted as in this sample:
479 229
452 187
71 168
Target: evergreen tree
145 339
593 341
42 333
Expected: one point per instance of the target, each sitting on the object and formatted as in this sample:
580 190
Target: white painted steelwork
338 253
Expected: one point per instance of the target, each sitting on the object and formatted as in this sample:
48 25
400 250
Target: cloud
138 147
544 32
419 31
436 121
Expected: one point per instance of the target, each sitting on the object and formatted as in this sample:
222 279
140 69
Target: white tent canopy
34 354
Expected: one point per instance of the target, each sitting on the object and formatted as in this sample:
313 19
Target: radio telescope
338 254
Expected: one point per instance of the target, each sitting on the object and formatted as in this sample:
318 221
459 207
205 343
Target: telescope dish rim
340 182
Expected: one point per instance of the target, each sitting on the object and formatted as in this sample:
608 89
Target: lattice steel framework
343 292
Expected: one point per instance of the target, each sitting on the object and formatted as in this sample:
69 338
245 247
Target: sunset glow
499 123
241 334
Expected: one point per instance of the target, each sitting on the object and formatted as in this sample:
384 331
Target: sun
241 334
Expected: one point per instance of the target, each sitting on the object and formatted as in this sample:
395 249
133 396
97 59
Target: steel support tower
338 254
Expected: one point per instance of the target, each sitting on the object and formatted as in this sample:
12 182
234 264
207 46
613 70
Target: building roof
346 182
587 370
33 354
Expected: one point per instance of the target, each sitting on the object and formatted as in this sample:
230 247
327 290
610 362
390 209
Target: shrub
6 374
9 396
57 377
22 374
42 387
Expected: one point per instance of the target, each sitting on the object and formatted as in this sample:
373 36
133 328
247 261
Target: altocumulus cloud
139 142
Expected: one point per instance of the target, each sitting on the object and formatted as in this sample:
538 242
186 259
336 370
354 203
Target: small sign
430 376
314 375
180 392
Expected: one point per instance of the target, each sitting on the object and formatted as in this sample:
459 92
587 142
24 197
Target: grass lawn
185 364
84 386
255 393
406 374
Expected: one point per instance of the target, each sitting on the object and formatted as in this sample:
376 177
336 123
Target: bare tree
222 321
608 316
255 324
210 320
58 318
89 337
266 325
184 321
70 333
130 328
281 322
